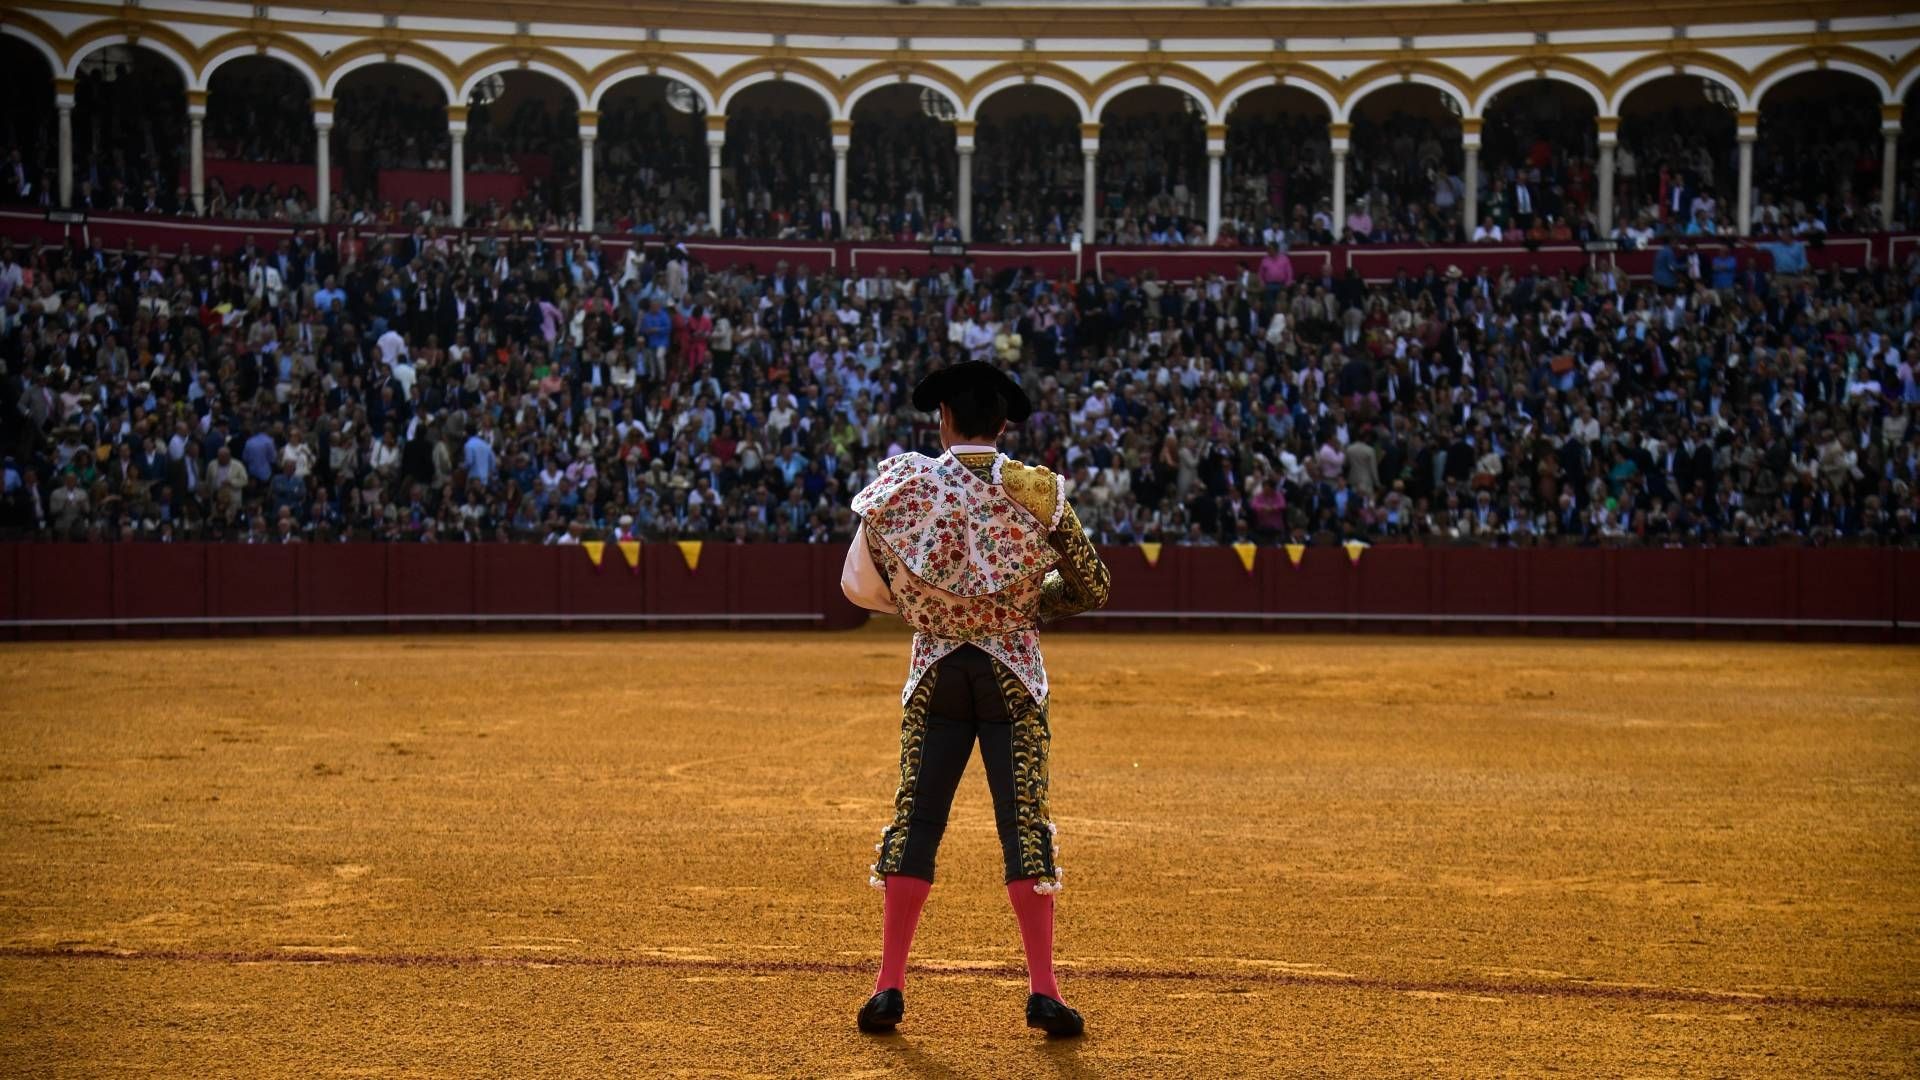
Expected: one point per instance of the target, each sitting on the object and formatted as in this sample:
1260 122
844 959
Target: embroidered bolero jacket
972 548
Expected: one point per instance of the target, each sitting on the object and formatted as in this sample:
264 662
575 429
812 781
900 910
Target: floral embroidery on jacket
951 529
965 561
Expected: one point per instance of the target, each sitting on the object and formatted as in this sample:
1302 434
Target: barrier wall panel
1217 581
1653 584
1906 588
65 581
1565 581
1392 580
1317 586
160 581
1845 583
779 578
253 580
1480 581
10 580
520 579
826 597
430 579
673 589
1749 583
1380 264
344 579
1135 586
608 589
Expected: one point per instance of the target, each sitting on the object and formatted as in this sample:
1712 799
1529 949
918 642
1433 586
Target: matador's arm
862 579
1079 582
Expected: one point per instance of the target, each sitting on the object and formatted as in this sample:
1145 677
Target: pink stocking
1035 912
905 897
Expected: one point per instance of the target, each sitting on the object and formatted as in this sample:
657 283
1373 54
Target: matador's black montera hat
971 380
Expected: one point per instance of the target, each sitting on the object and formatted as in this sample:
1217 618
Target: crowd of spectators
1816 164
901 177
1152 175
428 388
400 126
258 110
650 172
1276 173
1027 176
129 134
28 139
781 163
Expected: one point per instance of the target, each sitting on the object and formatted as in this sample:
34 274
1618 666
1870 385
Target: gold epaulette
1034 487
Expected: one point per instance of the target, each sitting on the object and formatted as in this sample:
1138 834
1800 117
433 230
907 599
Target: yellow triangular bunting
595 549
1152 552
1246 553
630 550
1354 548
690 551
1295 552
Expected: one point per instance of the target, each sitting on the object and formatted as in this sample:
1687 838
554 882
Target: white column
840 183
1744 224
1337 136
1090 155
1890 121
1212 193
1089 224
457 166
1339 191
964 190
322 166
457 175
841 132
197 149
1470 184
588 130
1216 155
716 138
63 101
1605 213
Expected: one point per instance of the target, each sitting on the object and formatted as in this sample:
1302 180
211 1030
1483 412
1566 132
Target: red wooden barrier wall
1853 593
61 589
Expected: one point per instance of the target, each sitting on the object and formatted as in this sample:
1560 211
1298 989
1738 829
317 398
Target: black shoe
883 1011
1053 1017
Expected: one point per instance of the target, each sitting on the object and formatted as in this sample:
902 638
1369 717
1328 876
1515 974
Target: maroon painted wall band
102 589
1375 262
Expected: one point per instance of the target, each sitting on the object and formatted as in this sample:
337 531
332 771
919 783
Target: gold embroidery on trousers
913 740
1033 821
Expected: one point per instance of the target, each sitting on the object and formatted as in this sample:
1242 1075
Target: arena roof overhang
1128 18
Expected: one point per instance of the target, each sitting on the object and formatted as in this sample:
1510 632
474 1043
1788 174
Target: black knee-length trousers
970 697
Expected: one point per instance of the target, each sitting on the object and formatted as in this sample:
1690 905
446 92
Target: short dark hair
978 412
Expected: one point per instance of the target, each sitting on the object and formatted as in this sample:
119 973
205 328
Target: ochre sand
561 856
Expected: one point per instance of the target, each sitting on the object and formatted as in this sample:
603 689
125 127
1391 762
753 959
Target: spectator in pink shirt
1332 459
1359 224
1276 271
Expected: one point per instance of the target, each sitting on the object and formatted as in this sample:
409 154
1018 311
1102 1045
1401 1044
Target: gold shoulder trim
1034 487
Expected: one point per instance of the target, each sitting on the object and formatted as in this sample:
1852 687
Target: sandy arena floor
646 855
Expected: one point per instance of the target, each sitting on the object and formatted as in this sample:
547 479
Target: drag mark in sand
1422 987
